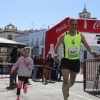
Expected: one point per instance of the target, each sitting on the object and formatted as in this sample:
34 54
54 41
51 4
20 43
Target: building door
42 52
85 54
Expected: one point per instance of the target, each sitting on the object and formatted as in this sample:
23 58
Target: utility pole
32 25
43 26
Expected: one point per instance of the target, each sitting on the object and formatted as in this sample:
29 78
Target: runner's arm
59 43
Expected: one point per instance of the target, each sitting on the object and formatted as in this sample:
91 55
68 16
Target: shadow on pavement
78 81
10 88
94 93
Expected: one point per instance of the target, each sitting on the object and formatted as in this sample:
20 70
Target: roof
84 10
9 43
10 28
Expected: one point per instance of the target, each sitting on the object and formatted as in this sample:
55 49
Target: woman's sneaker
18 99
46 81
34 80
50 80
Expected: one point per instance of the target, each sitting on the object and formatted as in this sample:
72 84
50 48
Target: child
25 67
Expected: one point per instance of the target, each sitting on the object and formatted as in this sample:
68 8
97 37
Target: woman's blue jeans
35 72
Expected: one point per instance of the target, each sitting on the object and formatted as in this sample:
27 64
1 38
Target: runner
70 63
25 66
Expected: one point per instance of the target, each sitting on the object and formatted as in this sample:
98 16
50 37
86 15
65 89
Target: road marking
70 93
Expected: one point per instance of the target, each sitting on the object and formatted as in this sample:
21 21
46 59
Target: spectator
55 70
20 54
49 64
41 61
13 58
36 63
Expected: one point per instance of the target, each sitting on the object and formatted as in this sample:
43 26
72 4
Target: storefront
5 49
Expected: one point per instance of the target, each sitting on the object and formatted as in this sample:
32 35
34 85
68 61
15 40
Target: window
37 41
9 37
43 40
88 16
80 16
32 41
83 16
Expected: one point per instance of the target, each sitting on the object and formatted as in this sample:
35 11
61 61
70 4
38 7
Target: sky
43 13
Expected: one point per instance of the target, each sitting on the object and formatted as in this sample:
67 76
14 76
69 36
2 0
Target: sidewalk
51 91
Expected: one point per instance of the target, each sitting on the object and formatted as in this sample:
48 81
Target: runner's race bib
72 52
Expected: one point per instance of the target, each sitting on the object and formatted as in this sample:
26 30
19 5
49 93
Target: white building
35 40
22 38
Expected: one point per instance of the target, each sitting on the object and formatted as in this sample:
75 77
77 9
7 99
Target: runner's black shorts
72 65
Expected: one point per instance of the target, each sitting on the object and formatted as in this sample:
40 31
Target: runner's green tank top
71 46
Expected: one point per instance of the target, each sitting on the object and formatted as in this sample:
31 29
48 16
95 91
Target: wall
22 38
10 30
36 40
5 34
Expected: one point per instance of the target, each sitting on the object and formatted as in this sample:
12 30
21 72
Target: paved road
50 91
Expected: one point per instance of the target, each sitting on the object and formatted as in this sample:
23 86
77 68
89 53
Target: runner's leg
72 79
65 74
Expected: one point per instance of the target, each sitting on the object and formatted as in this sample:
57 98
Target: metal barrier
90 72
43 71
5 68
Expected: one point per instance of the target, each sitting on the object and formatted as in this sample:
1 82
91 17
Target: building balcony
41 42
31 44
36 43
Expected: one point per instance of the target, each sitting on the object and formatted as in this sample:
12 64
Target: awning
9 43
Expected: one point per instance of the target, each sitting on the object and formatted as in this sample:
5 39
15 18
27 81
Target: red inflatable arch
84 25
